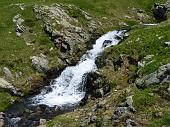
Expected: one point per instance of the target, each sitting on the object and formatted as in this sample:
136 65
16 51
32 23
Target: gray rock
162 75
125 110
2 123
68 31
40 63
167 43
18 75
43 121
2 115
5 85
9 87
131 123
7 72
129 101
19 28
93 119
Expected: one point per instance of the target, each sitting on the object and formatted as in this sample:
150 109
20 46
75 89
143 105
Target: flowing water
68 88
65 91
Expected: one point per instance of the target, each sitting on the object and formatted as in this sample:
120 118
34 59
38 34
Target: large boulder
63 25
160 76
97 85
40 63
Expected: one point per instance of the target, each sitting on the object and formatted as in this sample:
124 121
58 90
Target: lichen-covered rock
18 22
162 75
5 85
125 110
8 87
7 72
40 63
62 23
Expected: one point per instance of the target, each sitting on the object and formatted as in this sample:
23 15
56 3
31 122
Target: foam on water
68 88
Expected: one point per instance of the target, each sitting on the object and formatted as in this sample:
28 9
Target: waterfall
68 88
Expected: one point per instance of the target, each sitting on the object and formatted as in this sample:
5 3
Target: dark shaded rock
96 85
106 43
117 63
160 12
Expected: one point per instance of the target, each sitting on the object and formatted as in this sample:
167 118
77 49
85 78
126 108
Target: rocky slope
132 86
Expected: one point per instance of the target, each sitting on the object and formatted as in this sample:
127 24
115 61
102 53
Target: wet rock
106 43
162 75
7 72
40 63
160 12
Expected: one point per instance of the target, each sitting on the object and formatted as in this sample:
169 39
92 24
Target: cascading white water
67 88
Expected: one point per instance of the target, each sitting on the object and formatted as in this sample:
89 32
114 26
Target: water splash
68 88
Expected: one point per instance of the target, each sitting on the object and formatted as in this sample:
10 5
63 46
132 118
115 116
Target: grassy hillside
110 15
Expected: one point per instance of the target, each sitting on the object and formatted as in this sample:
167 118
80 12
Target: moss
143 99
5 100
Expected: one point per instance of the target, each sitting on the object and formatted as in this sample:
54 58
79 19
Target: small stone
93 119
43 121
151 94
158 114
130 123
167 43
129 101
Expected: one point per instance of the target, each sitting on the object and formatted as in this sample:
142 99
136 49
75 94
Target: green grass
142 42
143 99
4 103
64 121
164 121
